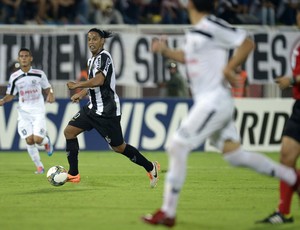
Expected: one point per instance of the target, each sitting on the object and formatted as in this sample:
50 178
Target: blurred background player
30 84
290 142
176 85
103 112
241 89
211 115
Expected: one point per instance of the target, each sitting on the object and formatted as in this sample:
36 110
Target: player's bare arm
6 98
50 95
78 96
237 59
159 45
98 80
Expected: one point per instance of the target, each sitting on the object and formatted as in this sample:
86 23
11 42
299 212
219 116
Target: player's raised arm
159 45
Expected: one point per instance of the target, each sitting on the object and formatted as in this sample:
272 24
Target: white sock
34 155
261 164
175 177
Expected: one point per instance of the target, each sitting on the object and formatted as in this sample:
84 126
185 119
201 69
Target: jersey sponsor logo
108 63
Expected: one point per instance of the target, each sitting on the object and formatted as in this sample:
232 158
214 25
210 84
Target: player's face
24 59
95 42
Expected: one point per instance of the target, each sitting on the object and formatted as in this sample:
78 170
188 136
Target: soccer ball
57 175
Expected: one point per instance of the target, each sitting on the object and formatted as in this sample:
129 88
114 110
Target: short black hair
25 49
204 5
102 33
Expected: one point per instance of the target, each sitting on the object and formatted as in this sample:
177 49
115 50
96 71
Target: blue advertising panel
146 123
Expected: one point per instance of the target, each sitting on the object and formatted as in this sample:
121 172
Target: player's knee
288 158
30 140
69 132
177 149
119 149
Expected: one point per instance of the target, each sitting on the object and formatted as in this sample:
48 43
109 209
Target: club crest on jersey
33 82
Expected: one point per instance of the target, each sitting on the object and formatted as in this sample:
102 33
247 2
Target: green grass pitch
114 193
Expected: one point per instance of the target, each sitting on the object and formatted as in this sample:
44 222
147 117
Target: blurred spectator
227 10
176 86
172 12
243 6
242 87
151 12
11 11
286 12
131 11
83 76
104 12
268 15
83 10
63 11
33 11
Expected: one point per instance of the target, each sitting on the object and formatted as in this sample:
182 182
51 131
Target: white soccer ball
57 175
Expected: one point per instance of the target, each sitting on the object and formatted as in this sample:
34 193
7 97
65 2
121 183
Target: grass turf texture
114 193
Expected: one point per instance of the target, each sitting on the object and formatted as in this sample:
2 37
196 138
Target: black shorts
108 127
292 126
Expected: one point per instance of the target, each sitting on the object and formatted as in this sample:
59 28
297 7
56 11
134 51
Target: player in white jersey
205 55
103 111
29 84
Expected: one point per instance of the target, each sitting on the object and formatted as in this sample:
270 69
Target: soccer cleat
39 170
49 147
276 218
73 179
153 175
159 218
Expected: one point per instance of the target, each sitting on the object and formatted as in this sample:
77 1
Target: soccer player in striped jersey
103 111
205 54
29 84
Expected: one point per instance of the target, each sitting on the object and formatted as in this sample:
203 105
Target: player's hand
283 82
76 98
72 85
50 98
1 102
231 76
159 44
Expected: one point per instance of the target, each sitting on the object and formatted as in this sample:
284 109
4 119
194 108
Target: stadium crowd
61 12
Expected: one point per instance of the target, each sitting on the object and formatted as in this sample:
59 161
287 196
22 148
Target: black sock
72 155
135 156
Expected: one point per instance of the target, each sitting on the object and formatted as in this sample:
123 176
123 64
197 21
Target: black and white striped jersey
29 88
104 99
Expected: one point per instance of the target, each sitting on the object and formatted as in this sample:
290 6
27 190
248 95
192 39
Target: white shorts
31 124
209 118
